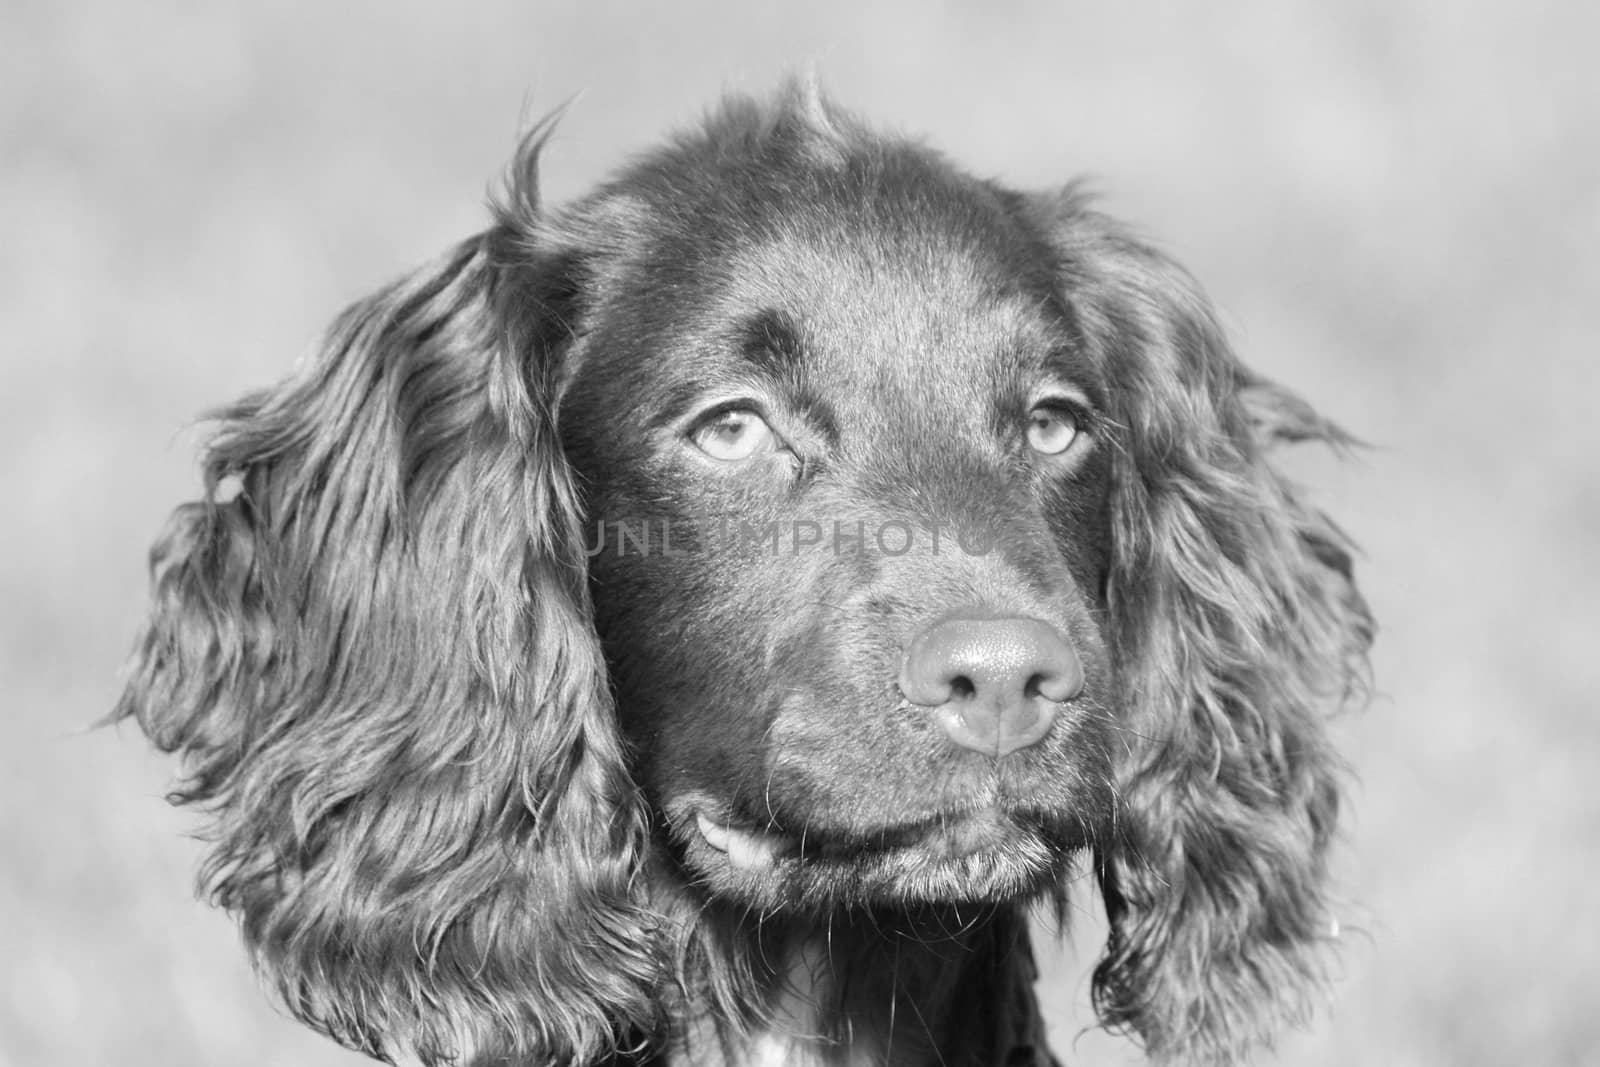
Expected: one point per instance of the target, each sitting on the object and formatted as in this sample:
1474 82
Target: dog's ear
371 642
1236 629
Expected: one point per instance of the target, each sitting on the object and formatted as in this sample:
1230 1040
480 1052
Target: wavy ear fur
371 641
1236 629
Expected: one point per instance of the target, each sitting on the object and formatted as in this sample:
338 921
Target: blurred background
1395 204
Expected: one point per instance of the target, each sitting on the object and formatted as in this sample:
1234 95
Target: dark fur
451 762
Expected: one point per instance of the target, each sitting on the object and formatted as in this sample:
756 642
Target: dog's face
795 523
847 421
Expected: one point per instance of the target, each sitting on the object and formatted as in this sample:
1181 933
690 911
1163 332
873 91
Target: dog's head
796 514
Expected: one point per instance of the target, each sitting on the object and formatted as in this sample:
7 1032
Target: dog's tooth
748 850
753 852
716 836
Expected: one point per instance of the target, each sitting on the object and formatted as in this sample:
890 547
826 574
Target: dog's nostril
995 685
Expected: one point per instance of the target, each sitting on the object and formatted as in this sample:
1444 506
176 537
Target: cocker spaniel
692 625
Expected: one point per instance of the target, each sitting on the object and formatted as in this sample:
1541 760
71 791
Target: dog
692 626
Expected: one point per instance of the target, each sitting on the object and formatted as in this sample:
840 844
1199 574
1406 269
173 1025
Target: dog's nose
994 684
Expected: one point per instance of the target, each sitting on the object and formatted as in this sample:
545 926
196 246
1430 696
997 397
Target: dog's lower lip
749 850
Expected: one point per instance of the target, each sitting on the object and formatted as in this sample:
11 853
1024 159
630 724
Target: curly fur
408 801
1236 625
374 642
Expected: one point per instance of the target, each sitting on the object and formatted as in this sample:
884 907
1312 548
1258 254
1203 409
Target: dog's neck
950 985
803 1019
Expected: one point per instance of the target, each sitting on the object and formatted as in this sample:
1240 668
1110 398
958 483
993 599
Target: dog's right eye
734 435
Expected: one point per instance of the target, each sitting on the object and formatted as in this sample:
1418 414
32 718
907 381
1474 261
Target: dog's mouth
990 848
952 836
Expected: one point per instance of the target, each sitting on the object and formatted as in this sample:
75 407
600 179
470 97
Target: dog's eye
734 435
1052 429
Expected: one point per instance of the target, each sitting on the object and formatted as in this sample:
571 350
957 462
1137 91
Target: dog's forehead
865 300
914 283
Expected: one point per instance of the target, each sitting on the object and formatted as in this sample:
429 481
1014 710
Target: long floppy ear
1236 630
371 641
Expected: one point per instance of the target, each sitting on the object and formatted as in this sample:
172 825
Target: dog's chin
981 856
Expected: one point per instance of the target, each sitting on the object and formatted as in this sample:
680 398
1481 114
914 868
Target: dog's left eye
1052 429
734 435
